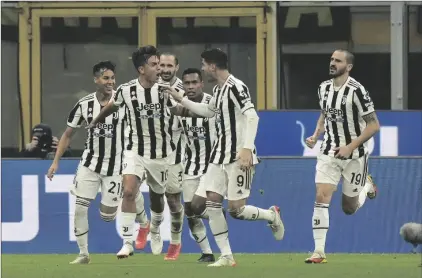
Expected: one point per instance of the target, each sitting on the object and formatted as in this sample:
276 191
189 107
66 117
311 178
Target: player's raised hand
311 141
52 170
245 158
166 88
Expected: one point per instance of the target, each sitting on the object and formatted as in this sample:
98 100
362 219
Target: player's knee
174 202
108 214
324 192
349 210
197 207
188 209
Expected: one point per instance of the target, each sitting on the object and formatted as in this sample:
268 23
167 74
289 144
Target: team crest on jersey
343 100
115 115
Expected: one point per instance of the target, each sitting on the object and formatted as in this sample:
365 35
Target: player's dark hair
176 60
102 66
191 71
350 58
217 57
140 56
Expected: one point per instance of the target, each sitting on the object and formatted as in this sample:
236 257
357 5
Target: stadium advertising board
282 133
37 215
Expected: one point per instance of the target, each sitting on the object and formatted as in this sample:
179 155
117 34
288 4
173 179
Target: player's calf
350 204
176 217
199 233
157 208
81 224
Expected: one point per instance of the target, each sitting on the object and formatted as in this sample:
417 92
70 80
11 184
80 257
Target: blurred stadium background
280 49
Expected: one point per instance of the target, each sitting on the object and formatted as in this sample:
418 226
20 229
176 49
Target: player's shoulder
127 85
206 98
354 84
87 98
325 83
232 81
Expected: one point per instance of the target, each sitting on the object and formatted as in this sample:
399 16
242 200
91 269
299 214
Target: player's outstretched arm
372 127
180 110
107 110
61 149
319 126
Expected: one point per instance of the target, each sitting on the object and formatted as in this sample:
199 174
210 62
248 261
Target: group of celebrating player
167 132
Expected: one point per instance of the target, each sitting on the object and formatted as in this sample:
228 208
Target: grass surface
248 265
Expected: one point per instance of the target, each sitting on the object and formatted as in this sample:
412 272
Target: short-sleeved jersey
200 135
148 116
230 103
104 145
343 109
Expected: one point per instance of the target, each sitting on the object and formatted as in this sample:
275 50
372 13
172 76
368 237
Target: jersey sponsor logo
201 132
154 107
148 107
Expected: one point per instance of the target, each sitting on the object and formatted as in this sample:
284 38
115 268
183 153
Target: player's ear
141 69
349 67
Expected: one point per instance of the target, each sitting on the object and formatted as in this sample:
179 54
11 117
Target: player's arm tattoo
371 117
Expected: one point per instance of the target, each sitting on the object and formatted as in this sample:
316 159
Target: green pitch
248 265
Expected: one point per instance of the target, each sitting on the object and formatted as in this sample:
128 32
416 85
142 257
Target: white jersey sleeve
75 118
239 94
363 101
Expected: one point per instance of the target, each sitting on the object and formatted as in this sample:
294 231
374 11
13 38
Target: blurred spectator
43 144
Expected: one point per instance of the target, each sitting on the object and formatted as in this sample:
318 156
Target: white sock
81 225
219 227
141 216
156 220
176 219
253 213
363 193
204 214
199 232
127 222
320 225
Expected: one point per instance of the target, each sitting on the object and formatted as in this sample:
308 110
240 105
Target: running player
169 65
148 145
348 120
233 153
200 135
101 162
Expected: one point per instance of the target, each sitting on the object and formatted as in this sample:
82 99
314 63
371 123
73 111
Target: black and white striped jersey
148 117
343 109
104 145
200 135
176 127
230 103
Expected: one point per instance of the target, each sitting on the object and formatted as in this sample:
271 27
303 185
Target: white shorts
193 185
87 184
229 179
156 171
330 170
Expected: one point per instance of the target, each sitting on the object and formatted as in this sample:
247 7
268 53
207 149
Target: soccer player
348 120
148 145
101 162
233 153
169 65
200 135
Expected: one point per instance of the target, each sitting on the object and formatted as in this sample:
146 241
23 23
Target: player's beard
337 73
169 76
